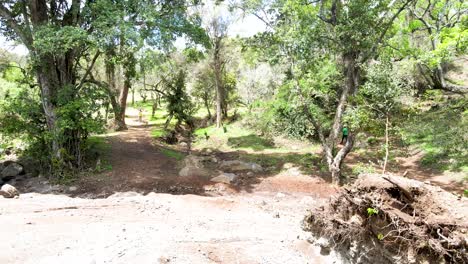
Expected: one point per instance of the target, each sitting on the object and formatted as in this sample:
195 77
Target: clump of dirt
393 219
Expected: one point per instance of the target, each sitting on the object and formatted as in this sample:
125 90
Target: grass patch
441 134
98 143
251 141
172 154
158 132
235 136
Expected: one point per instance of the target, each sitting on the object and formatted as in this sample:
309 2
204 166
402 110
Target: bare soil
157 228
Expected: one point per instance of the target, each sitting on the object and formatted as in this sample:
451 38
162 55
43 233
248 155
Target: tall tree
217 31
56 35
60 35
326 43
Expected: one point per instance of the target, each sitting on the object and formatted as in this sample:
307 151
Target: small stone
237 165
225 178
9 191
250 173
73 189
288 165
280 195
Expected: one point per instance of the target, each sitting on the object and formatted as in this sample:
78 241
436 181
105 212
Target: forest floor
140 210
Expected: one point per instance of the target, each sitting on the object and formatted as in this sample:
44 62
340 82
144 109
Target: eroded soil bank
393 220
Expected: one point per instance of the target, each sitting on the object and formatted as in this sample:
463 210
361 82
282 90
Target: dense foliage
318 65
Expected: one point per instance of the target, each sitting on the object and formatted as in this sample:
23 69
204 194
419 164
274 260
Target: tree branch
13 23
88 71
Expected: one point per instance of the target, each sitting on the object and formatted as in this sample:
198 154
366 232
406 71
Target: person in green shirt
344 138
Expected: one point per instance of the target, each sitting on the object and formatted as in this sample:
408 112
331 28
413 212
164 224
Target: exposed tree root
394 220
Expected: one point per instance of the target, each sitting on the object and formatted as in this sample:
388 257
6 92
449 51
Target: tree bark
335 166
119 119
123 100
334 161
351 71
218 82
205 100
386 145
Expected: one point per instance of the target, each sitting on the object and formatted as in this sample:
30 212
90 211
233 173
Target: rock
237 165
288 165
194 161
193 167
280 195
206 152
8 191
294 171
73 189
129 194
225 178
192 171
11 171
183 144
250 173
256 167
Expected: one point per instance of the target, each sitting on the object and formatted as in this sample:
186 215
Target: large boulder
237 165
8 191
12 170
225 178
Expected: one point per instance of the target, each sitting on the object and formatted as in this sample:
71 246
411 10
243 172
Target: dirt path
137 165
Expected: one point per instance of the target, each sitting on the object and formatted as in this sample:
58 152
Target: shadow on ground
251 141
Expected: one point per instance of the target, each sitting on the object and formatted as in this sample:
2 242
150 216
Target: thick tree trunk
119 119
123 100
219 113
47 96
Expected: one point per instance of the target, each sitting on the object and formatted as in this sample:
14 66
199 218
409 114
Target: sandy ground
157 228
